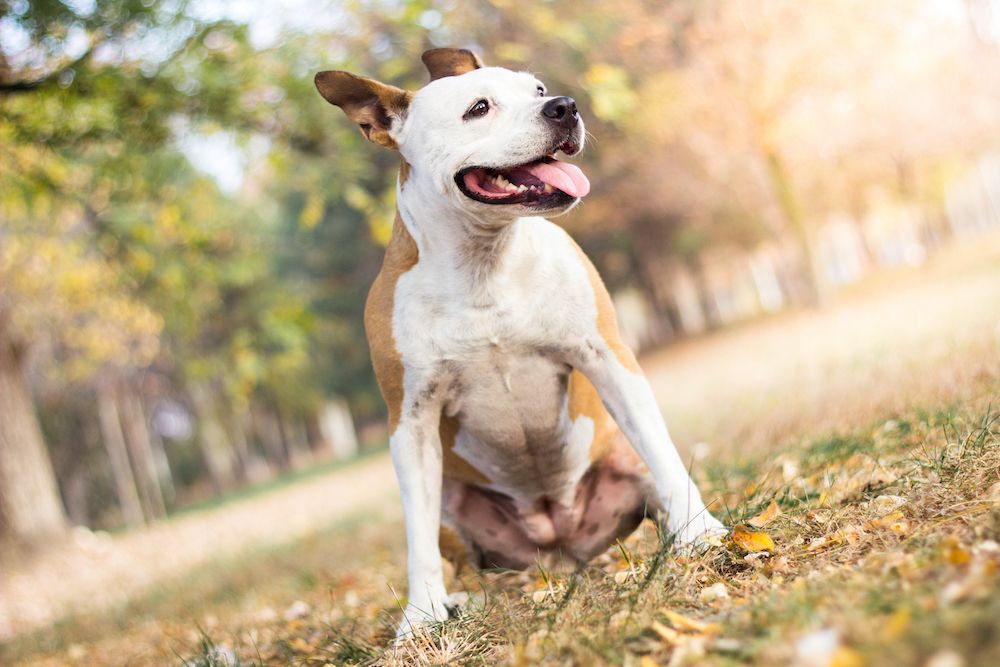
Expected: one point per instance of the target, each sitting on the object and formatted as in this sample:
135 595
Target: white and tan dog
511 397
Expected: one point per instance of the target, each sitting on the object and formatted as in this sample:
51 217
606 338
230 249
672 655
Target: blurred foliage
713 124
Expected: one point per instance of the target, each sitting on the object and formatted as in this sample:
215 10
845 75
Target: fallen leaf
897 624
765 517
953 552
751 540
819 516
646 661
846 657
301 646
885 504
716 591
685 624
668 635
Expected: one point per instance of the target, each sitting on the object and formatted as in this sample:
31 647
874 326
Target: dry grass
873 425
886 554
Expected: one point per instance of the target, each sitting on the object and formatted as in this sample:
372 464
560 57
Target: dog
520 424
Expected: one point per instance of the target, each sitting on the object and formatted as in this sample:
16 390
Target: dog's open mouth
545 182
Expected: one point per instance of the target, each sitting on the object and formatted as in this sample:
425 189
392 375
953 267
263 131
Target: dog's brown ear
371 104
450 62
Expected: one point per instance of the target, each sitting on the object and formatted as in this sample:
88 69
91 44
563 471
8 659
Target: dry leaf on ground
751 540
765 517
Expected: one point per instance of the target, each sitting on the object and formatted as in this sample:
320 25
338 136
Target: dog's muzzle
561 112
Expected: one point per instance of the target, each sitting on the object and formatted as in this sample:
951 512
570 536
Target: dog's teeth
548 189
522 188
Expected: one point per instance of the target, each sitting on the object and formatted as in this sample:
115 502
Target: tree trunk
706 298
162 464
244 458
141 451
31 510
268 431
215 446
121 470
818 289
293 432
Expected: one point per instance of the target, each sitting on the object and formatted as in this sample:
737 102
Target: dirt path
96 571
905 339
913 336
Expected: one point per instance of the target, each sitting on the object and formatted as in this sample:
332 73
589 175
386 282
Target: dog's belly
546 490
514 425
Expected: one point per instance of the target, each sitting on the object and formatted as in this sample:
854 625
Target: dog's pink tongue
562 176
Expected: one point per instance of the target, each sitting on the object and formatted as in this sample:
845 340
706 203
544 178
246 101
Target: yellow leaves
750 540
687 637
894 521
512 51
312 212
611 95
685 624
953 553
845 656
300 645
974 578
896 624
765 517
56 285
669 635
168 220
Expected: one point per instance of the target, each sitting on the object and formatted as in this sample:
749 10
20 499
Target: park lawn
885 553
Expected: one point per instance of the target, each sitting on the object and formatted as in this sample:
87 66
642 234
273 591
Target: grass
886 555
874 426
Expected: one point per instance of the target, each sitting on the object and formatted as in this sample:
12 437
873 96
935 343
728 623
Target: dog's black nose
561 111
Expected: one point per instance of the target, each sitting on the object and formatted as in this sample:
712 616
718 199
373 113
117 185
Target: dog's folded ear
373 105
450 62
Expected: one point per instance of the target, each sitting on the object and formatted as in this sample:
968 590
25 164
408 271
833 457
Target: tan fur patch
584 401
367 102
450 62
404 171
453 549
455 467
607 322
400 256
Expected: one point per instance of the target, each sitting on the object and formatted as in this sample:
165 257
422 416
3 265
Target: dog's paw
694 538
419 616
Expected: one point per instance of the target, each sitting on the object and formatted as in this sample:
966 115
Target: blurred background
188 231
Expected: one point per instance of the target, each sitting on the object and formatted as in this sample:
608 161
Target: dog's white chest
500 367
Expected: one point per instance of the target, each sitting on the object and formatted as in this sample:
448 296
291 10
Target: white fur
496 311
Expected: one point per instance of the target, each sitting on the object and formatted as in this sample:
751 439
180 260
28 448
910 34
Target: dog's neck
470 253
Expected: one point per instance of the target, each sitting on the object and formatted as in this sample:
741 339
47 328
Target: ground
873 425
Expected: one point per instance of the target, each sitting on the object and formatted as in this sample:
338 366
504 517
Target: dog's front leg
416 455
627 394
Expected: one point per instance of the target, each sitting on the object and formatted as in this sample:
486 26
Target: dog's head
485 138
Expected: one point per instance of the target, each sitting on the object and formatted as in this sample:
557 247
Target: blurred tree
94 185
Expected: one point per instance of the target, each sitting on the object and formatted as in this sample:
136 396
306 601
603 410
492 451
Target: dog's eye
478 109
541 90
